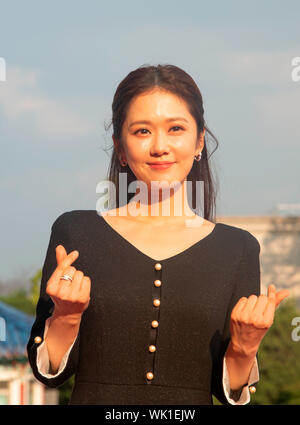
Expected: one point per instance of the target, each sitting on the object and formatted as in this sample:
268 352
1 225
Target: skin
70 298
141 143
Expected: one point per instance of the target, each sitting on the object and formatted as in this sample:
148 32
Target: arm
45 308
43 361
242 394
247 282
61 334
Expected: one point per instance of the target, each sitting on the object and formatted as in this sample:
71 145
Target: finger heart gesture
71 298
252 317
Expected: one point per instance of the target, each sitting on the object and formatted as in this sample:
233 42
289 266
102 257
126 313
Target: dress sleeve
44 309
247 282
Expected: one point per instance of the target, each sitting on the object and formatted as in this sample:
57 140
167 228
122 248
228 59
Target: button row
154 323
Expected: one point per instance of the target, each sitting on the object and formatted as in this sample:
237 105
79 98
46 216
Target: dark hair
172 79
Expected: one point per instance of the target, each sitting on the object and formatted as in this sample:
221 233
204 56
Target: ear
200 141
115 143
117 147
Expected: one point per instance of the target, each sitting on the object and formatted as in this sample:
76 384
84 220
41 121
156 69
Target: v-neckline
184 252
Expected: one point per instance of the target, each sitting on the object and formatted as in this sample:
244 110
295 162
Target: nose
160 144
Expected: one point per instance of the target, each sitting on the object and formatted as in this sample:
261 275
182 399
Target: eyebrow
149 122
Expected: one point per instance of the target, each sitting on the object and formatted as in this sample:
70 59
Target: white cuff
245 393
43 363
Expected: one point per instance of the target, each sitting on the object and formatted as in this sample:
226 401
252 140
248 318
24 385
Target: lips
160 165
161 162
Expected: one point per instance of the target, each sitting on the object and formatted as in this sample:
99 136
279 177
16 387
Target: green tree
278 359
34 292
19 299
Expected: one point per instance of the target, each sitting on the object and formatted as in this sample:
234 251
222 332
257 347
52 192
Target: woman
154 304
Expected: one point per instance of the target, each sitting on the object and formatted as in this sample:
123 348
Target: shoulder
241 237
75 217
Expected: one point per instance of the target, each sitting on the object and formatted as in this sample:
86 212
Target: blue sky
64 60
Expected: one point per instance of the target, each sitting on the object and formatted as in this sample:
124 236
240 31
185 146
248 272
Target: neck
164 205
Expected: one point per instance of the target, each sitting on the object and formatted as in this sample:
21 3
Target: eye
140 129
177 126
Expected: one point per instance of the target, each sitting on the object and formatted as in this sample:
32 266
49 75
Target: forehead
157 104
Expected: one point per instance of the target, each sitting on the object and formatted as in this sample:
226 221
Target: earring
123 163
198 157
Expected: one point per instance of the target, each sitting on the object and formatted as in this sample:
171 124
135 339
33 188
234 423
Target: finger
77 281
66 262
85 289
235 314
271 300
71 270
71 289
85 285
251 301
56 282
281 295
269 311
247 311
61 253
260 306
271 291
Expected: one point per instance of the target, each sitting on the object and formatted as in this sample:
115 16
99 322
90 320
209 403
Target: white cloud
23 103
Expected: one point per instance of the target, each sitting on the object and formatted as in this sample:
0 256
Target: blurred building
279 238
17 383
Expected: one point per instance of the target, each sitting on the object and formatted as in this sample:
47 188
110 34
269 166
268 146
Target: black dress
197 289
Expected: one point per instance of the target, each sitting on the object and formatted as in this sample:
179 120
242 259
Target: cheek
185 149
137 152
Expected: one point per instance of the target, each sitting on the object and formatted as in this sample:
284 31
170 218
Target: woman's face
166 132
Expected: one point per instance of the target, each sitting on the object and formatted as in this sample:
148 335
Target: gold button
150 375
37 339
156 302
157 283
152 348
157 266
154 324
252 389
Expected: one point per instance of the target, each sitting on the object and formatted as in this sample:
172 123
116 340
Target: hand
251 318
71 299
